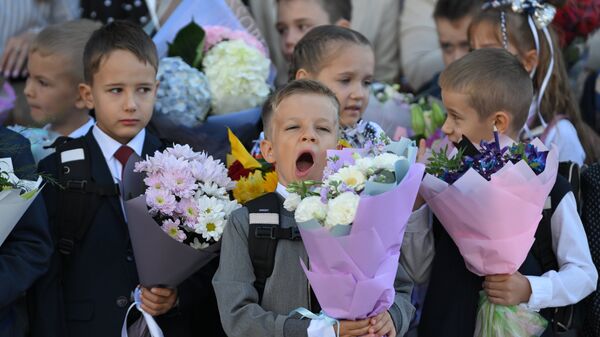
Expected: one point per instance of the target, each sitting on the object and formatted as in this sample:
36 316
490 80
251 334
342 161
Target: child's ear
266 149
502 120
343 23
530 60
85 94
302 73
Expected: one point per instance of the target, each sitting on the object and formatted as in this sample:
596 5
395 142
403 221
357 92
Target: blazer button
122 301
129 258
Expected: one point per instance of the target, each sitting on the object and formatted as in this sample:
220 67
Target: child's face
303 128
486 35
122 93
453 38
51 90
349 74
464 120
295 18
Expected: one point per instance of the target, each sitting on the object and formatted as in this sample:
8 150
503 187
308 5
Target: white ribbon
151 324
323 323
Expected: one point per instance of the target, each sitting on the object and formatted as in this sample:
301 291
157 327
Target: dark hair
335 9
453 10
494 80
296 87
558 98
311 51
118 35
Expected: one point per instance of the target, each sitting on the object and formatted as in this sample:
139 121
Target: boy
300 126
87 290
452 20
25 253
55 69
484 88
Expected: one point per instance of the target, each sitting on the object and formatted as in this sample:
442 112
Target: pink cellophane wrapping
493 223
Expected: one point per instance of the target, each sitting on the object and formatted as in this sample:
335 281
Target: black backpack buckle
271 232
77 185
65 246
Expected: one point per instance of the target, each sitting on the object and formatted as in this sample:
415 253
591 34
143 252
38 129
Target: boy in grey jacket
301 124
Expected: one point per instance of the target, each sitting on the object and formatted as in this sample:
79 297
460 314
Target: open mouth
304 163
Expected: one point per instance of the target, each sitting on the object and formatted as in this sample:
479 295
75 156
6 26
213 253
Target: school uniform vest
451 303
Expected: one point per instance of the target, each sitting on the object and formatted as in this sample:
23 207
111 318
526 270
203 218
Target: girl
344 61
554 113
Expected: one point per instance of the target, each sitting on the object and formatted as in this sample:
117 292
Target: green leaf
188 44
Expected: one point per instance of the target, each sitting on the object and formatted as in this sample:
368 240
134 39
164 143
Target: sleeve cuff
541 292
418 221
295 327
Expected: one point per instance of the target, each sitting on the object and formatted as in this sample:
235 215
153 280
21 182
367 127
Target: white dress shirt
564 135
282 190
109 146
83 130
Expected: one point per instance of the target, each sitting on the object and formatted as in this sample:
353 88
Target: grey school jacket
287 288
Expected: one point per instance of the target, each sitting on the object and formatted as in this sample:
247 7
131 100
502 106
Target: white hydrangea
183 94
292 201
342 209
237 76
310 208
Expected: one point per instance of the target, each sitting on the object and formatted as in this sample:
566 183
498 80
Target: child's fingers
497 278
494 293
148 296
164 292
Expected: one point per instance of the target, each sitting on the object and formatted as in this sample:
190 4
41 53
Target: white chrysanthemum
385 161
183 95
310 208
211 227
196 244
214 190
237 76
351 176
210 206
342 209
292 202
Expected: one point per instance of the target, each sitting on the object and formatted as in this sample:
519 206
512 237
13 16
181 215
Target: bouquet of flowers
352 226
235 64
180 217
389 108
16 195
183 94
253 176
427 118
470 194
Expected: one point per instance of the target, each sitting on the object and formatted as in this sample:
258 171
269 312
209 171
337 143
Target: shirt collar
109 146
282 191
83 130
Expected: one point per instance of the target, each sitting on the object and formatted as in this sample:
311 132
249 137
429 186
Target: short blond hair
67 39
297 87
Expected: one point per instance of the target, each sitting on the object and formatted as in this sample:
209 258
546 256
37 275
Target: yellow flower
271 180
249 188
239 152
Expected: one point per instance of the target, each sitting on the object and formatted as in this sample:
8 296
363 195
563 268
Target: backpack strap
263 233
79 194
571 172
